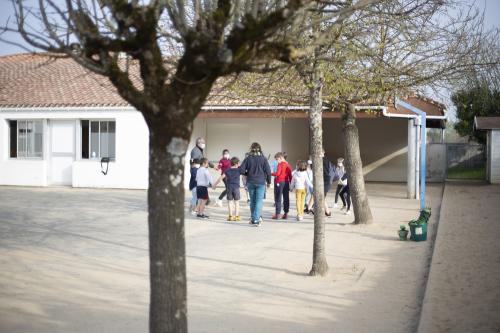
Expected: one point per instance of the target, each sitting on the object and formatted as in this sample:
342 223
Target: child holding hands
203 181
282 178
232 179
300 183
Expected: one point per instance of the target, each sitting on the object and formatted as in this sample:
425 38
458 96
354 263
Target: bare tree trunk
319 266
168 306
354 167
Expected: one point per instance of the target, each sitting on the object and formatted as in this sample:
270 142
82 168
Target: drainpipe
420 140
411 170
413 151
423 146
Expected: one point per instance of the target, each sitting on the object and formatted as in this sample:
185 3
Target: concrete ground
76 260
463 293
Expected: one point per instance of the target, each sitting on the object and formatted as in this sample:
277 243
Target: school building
58 120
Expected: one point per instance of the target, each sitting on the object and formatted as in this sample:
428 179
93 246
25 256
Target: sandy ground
463 293
75 260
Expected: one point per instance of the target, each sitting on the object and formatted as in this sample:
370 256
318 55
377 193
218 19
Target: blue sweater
257 170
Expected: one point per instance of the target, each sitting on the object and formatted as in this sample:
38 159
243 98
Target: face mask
226 156
309 162
201 145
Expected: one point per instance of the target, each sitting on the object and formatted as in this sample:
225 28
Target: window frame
26 120
90 120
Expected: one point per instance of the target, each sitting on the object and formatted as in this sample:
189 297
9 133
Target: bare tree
394 47
163 57
370 52
325 30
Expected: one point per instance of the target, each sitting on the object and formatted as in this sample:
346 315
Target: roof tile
51 80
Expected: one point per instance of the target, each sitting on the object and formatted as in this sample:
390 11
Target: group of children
299 181
201 180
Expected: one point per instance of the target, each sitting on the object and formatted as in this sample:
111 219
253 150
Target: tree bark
354 167
320 265
168 306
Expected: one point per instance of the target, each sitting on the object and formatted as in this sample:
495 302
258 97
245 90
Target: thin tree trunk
168 306
319 266
354 167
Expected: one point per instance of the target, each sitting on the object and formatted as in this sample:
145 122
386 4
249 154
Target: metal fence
455 160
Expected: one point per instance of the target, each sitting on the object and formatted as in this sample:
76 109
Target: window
26 138
98 139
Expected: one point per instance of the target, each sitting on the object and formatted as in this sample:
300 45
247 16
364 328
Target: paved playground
76 260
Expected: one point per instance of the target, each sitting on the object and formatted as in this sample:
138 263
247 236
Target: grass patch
467 173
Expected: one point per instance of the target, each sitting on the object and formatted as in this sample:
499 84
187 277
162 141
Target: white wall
383 144
378 138
295 140
495 157
130 170
235 134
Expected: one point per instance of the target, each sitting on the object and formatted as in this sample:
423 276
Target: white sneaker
347 212
193 212
218 203
335 205
300 218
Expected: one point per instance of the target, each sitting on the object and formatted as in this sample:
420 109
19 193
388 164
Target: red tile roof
28 80
49 80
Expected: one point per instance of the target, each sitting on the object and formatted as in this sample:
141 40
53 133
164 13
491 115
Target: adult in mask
198 152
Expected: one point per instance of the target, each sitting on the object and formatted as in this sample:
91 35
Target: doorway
62 152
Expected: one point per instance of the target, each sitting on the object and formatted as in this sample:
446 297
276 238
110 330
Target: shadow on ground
77 261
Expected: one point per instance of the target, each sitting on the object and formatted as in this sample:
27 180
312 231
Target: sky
491 12
491 7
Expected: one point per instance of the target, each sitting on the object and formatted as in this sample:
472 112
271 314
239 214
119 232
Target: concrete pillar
410 168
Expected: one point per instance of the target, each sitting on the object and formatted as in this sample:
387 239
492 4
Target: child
300 183
195 165
283 176
203 181
309 196
340 173
345 195
224 164
329 175
232 179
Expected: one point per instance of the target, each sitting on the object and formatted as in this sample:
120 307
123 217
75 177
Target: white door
62 151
